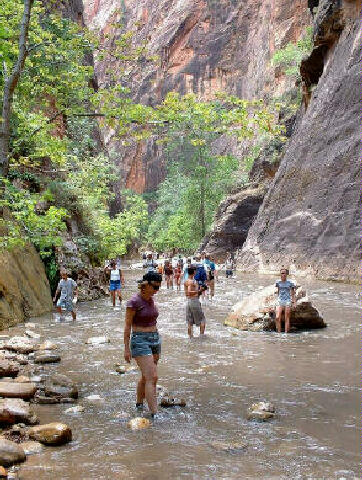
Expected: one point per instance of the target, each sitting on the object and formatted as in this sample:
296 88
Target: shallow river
312 378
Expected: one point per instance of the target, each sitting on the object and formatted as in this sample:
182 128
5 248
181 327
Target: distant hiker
168 270
211 276
68 290
185 274
194 313
177 271
285 290
116 281
150 265
229 265
201 276
144 345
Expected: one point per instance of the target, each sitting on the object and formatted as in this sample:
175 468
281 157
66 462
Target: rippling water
312 378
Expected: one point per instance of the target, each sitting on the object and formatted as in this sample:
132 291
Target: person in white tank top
115 282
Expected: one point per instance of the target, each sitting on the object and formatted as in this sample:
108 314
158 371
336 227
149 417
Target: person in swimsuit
194 313
115 282
177 271
286 299
168 270
144 345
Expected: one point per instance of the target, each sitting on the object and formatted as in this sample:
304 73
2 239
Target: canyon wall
204 46
310 219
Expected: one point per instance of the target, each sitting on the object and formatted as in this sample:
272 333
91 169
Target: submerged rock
13 410
21 345
94 399
257 312
10 453
75 410
139 423
169 401
61 386
46 356
31 447
122 369
51 433
97 340
261 411
17 390
229 447
48 345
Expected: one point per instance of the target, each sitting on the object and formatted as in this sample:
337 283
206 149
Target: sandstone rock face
309 220
232 222
204 47
10 453
257 312
51 434
24 288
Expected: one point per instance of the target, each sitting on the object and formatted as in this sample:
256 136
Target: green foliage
289 58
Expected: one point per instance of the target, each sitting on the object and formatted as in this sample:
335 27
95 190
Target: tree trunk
10 83
202 208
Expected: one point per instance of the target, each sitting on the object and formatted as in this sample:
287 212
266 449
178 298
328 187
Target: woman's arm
130 313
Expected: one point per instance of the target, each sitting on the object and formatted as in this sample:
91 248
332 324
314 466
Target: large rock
61 386
10 453
257 312
310 219
139 423
46 356
21 345
51 434
8 368
261 411
24 288
15 410
17 390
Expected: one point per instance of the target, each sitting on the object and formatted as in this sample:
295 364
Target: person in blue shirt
286 300
200 276
211 274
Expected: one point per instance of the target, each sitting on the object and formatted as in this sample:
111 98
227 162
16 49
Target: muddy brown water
311 377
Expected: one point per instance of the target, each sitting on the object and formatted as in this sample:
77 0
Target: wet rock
97 340
48 345
36 379
8 368
123 369
31 447
22 379
261 411
33 335
94 399
44 400
229 447
51 433
10 453
67 400
46 356
257 312
139 423
17 390
61 386
21 359
75 410
21 345
14 410
169 401
30 325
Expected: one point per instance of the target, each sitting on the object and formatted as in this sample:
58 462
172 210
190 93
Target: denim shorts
65 305
145 343
115 285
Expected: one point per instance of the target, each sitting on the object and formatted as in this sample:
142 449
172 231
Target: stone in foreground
261 411
17 390
14 410
51 433
256 312
61 386
8 368
139 423
10 453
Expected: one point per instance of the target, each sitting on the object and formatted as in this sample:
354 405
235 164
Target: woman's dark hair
152 277
191 270
112 264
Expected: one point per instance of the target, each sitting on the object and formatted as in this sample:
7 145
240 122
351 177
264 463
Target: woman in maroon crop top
144 345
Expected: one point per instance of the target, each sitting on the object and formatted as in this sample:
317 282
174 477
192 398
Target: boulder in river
168 401
8 368
10 453
17 390
75 410
257 312
61 386
46 356
13 410
31 447
48 345
139 423
21 345
261 411
51 433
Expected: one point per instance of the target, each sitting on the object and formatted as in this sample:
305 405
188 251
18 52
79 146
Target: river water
312 378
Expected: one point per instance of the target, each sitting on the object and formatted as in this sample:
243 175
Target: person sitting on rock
68 290
286 299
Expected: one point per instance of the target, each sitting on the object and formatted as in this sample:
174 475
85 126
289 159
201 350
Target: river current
312 378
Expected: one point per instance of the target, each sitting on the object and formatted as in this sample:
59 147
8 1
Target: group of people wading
142 342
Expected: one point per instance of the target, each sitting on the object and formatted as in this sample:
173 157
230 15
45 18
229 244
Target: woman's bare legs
113 296
147 385
287 319
278 319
